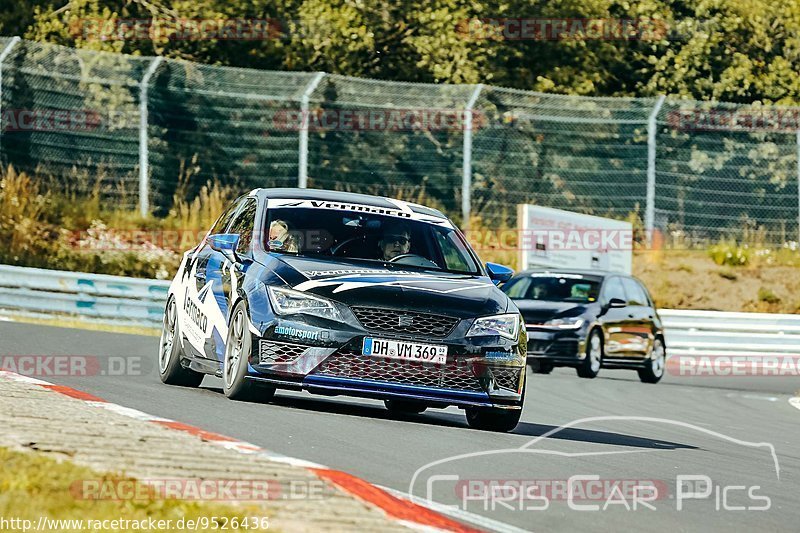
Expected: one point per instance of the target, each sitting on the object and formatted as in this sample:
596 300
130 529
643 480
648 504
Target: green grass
33 486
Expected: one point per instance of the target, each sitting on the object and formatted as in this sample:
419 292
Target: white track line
795 401
458 514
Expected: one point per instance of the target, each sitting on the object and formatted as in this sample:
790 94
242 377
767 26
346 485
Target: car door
220 273
193 311
616 320
640 316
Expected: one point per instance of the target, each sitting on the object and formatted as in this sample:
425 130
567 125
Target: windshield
373 237
554 288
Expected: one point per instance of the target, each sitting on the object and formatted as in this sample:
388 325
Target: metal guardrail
690 332
94 296
141 301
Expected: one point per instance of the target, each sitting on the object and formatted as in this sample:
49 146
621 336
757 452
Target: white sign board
563 239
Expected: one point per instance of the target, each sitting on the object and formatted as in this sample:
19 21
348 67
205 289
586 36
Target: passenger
280 238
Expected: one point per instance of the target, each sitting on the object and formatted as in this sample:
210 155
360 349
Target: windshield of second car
552 287
335 233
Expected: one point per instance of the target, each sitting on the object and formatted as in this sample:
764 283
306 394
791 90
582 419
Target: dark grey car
589 320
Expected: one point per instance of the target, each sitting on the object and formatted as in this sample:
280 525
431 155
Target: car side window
242 225
224 219
516 289
648 298
613 289
636 295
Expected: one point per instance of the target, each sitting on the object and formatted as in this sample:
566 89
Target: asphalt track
720 429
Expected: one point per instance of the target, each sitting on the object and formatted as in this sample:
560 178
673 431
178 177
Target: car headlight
504 325
573 322
289 302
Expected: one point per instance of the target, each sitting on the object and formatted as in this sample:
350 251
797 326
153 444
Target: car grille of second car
452 376
408 322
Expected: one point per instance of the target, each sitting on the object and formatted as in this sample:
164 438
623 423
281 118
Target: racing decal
403 211
202 309
500 356
297 333
193 311
344 272
416 282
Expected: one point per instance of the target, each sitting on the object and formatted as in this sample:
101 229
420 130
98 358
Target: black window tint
242 225
517 288
636 295
613 289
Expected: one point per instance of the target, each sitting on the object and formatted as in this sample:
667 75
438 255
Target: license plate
409 351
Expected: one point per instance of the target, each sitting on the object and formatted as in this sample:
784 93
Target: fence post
302 162
798 186
650 207
3 55
144 165
466 174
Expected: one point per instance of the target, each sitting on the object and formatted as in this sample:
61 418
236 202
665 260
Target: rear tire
405 407
237 354
170 354
541 367
591 364
654 370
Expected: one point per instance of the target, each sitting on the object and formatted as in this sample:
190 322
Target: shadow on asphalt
436 417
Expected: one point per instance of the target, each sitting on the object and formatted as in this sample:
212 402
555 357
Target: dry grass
37 486
691 279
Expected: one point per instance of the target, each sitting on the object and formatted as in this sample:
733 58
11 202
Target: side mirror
225 243
499 273
617 302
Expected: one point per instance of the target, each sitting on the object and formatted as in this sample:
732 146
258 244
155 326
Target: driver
395 240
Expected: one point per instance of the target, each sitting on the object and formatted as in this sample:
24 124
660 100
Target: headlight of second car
289 302
572 322
504 325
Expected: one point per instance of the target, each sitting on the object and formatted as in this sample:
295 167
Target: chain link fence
139 130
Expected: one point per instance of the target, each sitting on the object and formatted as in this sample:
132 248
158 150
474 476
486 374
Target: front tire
235 364
404 407
170 354
591 364
654 371
496 419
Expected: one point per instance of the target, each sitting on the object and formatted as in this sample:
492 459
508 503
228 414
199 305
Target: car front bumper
479 371
560 347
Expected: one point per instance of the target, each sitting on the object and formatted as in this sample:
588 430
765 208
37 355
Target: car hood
363 283
539 311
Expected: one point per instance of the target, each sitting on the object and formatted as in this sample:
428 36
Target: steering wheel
413 260
337 247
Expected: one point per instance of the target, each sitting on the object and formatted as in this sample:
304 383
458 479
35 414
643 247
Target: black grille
377 319
507 378
453 375
279 352
561 348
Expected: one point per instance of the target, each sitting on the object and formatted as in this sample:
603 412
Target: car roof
342 197
581 271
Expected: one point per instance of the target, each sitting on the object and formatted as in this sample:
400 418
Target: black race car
589 320
339 293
